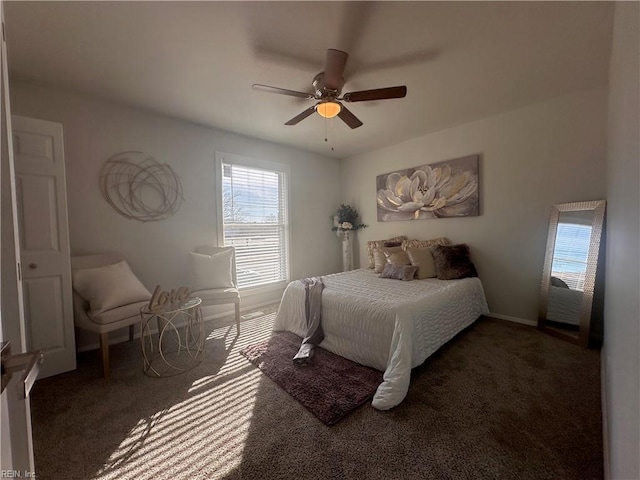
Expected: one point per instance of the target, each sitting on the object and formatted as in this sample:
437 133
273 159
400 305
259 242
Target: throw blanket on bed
313 315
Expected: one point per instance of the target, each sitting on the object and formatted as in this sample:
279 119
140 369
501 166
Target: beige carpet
501 401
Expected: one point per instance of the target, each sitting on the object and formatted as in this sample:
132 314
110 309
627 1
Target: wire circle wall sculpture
138 187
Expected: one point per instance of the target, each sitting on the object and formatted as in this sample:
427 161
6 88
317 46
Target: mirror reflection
568 280
569 268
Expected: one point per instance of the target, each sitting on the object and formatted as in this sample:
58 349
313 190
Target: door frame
16 412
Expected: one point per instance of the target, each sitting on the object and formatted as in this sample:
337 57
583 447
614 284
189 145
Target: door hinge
19 272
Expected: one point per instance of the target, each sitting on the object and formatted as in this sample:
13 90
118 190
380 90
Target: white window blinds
255 222
571 253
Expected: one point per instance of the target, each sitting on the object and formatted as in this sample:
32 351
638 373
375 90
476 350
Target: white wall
95 130
620 354
531 158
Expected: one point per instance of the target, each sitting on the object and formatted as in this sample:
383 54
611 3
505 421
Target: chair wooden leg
130 333
104 350
238 317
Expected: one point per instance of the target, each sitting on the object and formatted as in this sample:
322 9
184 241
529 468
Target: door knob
33 266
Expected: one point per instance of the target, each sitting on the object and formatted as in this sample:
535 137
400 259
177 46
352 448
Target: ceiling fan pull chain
325 129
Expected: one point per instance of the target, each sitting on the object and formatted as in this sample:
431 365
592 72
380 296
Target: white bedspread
386 324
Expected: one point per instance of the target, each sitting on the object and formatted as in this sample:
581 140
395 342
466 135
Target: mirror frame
597 225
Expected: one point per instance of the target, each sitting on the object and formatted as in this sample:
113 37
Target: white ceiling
460 61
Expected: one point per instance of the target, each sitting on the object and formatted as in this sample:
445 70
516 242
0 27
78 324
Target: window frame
285 170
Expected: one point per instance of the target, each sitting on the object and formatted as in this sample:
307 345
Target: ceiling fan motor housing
324 93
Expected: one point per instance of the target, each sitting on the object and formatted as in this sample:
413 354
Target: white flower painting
438 190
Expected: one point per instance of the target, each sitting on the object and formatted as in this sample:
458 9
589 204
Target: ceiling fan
328 87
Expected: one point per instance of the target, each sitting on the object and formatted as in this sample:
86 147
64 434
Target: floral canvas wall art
438 190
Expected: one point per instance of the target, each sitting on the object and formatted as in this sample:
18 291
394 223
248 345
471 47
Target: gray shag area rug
499 401
330 386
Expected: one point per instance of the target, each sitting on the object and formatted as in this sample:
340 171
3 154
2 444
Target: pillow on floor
109 286
453 262
211 271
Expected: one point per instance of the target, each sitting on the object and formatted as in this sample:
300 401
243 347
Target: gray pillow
453 262
399 272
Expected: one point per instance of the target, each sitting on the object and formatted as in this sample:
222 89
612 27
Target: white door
16 446
44 242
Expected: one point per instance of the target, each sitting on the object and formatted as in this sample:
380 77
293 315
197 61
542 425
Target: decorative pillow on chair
375 244
423 259
211 271
108 287
399 272
453 262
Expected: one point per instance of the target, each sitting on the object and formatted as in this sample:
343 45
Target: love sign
160 299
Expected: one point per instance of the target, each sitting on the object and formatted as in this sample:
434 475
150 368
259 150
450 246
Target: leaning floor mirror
571 295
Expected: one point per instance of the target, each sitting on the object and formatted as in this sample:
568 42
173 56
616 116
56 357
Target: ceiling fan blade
349 118
301 116
281 91
334 69
377 94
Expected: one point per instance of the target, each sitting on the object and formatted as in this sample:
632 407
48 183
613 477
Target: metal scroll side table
179 343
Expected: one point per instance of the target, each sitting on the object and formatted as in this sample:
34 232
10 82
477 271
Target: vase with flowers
346 219
345 222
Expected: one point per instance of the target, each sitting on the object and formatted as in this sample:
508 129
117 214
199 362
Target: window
571 253
254 214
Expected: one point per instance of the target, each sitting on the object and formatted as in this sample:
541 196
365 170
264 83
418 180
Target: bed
386 324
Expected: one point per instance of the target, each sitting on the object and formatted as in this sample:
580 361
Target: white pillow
211 271
109 287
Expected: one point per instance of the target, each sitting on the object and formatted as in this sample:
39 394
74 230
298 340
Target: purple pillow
399 272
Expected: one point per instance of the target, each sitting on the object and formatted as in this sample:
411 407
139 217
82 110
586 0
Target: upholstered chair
107 296
213 278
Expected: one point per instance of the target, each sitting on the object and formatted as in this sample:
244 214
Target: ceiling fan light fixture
328 109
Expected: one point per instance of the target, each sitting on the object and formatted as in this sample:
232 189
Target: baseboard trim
509 318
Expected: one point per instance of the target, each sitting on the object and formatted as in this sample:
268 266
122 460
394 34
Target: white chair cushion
119 314
211 271
109 287
217 294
